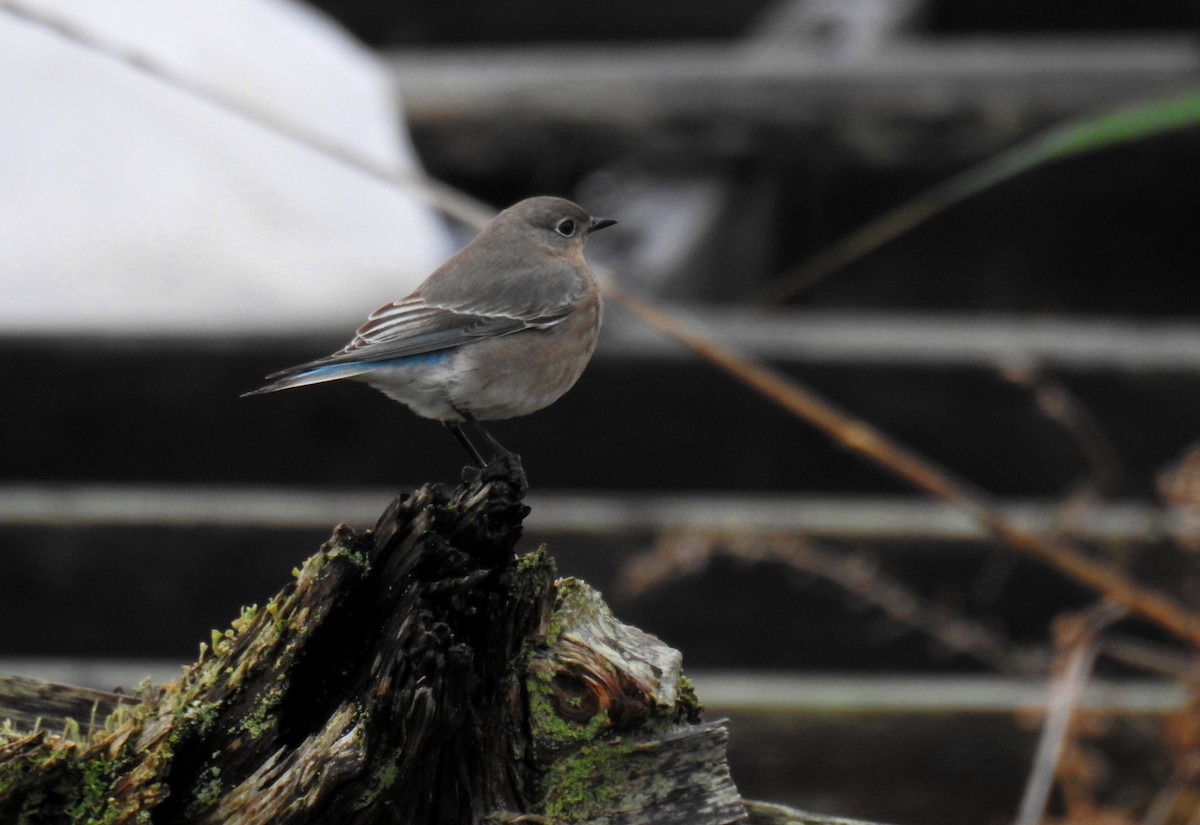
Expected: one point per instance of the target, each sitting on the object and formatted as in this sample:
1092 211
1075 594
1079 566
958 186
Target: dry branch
1096 574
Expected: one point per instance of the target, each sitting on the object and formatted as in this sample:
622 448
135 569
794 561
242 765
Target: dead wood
418 672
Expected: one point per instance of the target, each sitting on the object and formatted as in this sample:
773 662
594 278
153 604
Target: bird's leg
498 449
456 430
500 453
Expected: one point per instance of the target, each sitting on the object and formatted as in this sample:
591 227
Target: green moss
381 781
585 766
8 733
71 779
688 706
94 805
262 719
206 792
356 557
245 619
533 561
121 716
277 624
199 716
78 792
12 774
585 776
550 731
585 784
71 730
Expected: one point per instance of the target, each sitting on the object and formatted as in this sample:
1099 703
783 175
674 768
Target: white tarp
128 206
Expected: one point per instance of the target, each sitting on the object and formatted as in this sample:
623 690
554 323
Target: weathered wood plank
31 704
767 813
983 92
862 518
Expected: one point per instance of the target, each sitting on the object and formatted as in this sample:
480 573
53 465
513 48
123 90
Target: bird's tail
306 374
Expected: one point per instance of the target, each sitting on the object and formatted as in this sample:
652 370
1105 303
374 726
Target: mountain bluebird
501 329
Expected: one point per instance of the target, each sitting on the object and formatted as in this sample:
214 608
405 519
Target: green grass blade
1077 137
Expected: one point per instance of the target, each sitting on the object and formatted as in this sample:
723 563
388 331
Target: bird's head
557 222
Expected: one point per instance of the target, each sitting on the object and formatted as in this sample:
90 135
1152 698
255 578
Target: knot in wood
595 674
585 688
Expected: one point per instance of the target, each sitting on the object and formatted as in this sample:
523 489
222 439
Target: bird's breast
518 374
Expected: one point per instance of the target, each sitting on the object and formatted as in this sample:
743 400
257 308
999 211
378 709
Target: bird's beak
601 224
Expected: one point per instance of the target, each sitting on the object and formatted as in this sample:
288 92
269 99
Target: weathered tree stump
417 673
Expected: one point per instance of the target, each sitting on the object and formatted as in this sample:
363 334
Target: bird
503 328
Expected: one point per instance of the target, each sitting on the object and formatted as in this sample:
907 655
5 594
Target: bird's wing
413 327
447 312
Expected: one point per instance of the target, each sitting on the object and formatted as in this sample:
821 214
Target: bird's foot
506 466
503 466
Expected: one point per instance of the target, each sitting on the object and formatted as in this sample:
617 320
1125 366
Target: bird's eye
565 227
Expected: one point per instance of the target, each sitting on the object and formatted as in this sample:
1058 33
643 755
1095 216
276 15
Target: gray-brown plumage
501 329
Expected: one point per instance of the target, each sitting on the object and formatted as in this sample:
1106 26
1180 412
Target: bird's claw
506 466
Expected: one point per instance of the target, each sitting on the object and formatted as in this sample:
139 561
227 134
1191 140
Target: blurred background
167 244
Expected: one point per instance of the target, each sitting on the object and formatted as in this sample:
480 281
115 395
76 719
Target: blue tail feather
302 377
